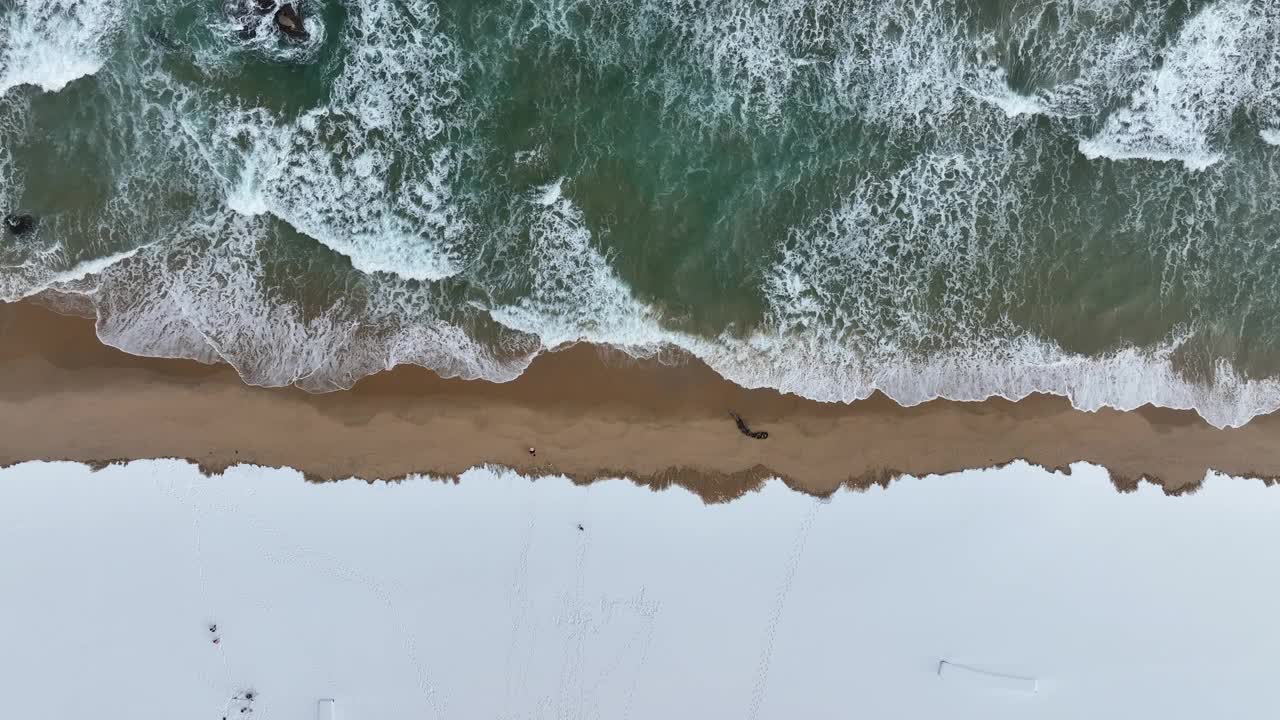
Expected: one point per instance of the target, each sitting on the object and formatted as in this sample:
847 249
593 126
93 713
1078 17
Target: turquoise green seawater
931 198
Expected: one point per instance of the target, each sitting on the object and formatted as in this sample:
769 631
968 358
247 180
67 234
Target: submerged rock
286 17
160 38
19 224
290 22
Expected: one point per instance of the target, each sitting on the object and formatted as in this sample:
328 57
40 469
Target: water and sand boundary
588 413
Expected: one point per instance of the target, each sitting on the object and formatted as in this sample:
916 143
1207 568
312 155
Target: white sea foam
1270 136
50 267
49 43
1080 73
744 61
897 63
745 47
849 316
81 270
995 90
829 340
906 258
895 66
576 295
732 58
1184 106
200 296
368 173
902 64
551 193
13 119
1076 57
812 366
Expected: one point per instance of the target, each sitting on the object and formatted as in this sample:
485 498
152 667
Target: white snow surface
483 599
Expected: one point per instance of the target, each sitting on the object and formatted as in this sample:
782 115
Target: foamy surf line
807 367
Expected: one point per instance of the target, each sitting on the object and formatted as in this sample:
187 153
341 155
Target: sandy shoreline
65 396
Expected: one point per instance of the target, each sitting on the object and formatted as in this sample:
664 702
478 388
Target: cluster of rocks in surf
286 17
19 223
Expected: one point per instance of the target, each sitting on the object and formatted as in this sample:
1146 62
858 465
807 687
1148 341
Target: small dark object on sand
19 224
746 429
533 452
290 22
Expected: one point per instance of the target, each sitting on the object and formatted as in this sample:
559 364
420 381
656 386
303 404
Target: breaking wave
50 43
366 173
1182 109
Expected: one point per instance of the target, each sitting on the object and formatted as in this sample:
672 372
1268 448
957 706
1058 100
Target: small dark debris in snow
580 528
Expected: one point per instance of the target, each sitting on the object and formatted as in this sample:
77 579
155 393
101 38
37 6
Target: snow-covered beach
484 599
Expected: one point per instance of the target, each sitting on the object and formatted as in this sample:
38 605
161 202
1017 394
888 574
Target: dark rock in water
247 12
158 36
19 224
290 22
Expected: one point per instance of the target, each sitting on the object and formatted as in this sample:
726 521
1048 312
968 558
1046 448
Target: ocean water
930 198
